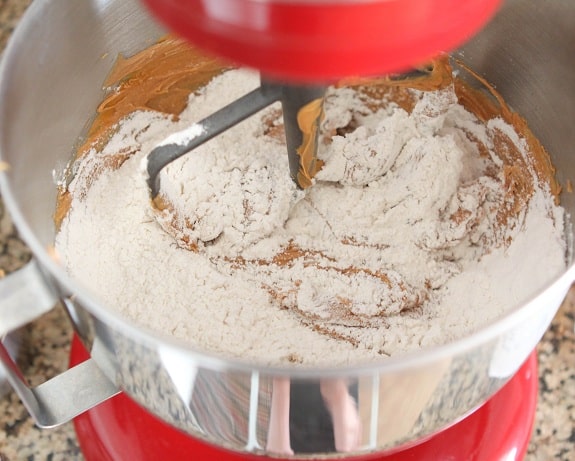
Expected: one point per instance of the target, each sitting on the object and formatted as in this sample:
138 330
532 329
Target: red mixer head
323 40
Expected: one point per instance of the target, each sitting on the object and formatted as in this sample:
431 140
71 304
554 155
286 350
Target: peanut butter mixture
418 211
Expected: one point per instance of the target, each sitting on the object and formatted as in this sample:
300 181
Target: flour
399 244
184 136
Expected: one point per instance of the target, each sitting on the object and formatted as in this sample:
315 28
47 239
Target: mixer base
121 430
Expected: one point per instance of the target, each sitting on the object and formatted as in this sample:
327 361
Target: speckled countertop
46 346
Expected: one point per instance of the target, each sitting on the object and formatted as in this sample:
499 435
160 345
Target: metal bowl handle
24 296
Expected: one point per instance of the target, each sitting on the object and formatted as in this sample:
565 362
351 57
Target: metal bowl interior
50 83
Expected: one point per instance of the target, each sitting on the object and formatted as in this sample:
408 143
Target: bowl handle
24 296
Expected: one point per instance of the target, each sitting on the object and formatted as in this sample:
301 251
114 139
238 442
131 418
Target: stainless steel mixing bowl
50 83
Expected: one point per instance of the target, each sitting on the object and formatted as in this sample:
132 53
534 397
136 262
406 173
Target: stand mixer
177 403
307 44
334 48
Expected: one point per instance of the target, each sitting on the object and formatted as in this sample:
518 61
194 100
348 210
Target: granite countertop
45 347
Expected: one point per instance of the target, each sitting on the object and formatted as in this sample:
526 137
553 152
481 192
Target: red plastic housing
324 40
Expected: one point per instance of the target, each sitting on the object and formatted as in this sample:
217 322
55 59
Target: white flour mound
396 246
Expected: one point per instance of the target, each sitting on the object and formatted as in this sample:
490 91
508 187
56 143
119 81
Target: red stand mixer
324 40
472 399
311 43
